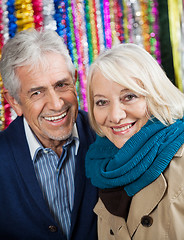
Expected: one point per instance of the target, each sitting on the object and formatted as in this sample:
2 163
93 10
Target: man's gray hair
27 48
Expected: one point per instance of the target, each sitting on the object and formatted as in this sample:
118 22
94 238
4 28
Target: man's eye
101 102
35 93
61 85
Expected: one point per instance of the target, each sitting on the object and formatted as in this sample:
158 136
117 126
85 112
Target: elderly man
44 193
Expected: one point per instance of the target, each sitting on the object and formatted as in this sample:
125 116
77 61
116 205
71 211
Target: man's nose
54 101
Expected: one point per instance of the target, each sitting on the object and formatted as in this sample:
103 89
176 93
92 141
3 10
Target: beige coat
156 212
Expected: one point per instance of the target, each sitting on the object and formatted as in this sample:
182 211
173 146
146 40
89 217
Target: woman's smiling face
118 111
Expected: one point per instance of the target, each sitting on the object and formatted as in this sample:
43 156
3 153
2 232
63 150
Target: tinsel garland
79 56
99 26
107 23
136 23
48 14
12 18
2 107
112 22
130 21
24 14
175 9
155 31
87 27
93 23
145 25
118 18
5 21
38 16
2 113
103 22
182 46
73 31
125 20
60 18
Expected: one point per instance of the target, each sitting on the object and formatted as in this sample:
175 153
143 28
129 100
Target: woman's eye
129 97
101 102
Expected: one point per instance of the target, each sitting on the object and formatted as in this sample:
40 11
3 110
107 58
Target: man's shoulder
82 118
15 128
82 114
83 125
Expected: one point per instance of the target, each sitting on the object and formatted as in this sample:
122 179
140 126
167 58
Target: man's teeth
123 128
56 118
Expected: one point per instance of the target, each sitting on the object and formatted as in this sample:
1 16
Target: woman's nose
117 113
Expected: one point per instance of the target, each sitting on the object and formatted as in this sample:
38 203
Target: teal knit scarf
139 162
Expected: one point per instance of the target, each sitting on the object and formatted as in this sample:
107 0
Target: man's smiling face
48 99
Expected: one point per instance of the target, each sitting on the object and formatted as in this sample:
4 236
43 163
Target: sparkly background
90 26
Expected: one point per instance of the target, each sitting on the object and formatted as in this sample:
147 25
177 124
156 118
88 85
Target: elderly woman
137 161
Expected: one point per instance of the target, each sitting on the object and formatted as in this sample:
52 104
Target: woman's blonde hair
134 68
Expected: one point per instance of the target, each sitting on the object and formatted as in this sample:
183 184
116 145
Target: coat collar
150 196
180 152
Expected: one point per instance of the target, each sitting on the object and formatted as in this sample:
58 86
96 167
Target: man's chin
59 136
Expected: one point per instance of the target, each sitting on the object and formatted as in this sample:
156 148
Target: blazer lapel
24 163
79 184
79 173
144 202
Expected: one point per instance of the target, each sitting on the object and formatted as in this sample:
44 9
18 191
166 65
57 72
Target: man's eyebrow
34 89
64 80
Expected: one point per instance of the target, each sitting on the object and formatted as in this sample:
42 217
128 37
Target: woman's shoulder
174 175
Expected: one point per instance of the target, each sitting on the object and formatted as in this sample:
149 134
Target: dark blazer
24 214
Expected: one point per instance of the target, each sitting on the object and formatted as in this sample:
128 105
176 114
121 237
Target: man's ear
76 76
13 103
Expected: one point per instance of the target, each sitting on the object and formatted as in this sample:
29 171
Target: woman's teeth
56 118
122 128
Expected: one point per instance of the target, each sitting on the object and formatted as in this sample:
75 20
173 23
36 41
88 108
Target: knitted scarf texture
139 162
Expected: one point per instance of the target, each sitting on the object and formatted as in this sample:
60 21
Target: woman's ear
13 103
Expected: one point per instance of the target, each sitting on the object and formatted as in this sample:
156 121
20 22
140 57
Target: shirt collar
34 144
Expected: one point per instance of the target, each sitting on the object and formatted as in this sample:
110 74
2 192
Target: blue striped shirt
56 176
